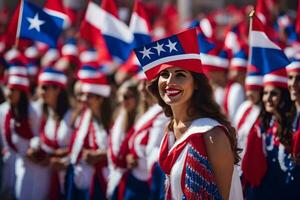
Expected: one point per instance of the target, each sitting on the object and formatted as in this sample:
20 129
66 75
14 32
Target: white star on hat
146 53
35 22
171 46
159 48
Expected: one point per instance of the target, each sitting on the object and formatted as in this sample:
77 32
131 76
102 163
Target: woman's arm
221 158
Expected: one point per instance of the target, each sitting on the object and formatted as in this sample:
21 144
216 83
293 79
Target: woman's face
176 86
13 96
294 85
271 98
50 94
93 101
254 96
128 99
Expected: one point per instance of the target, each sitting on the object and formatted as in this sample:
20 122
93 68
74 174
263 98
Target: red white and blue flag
139 25
37 24
117 36
266 58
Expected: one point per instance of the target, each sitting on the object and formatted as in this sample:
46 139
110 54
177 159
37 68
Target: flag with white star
37 24
179 50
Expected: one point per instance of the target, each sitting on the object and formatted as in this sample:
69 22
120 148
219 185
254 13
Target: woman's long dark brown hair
202 103
22 109
287 111
62 105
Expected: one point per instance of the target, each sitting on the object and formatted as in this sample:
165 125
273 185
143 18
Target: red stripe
227 92
45 139
243 119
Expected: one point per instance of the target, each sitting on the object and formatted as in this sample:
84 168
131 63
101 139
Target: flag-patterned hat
180 50
294 66
18 77
51 76
96 85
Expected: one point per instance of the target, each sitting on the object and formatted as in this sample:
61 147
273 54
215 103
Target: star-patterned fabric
178 50
38 24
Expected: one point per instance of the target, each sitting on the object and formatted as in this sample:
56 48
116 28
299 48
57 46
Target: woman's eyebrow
180 70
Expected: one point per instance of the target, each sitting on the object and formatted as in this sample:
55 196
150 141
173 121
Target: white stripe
293 65
231 41
171 58
11 54
55 13
31 52
88 74
88 56
138 24
107 23
260 39
239 62
102 90
55 77
51 55
17 80
214 60
254 80
17 70
206 27
81 134
274 78
69 49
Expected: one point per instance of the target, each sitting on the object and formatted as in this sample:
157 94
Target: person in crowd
125 118
55 129
199 150
249 110
268 157
19 125
234 90
87 174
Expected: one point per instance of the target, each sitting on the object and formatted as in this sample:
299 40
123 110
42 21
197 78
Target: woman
18 127
198 151
269 169
55 130
249 110
144 179
88 171
128 98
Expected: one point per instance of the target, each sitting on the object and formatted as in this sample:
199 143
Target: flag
56 7
37 24
139 25
117 36
266 58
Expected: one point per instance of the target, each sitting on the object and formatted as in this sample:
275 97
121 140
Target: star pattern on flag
172 46
146 53
159 48
35 22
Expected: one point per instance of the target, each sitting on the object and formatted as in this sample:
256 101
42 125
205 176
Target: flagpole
251 14
19 23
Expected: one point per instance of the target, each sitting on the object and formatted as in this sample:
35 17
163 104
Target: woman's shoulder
202 125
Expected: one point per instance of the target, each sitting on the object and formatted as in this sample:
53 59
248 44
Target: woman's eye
164 74
180 75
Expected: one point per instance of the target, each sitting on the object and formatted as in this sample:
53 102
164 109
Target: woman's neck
181 120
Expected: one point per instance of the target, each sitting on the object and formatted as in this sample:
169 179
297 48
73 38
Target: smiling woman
198 151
